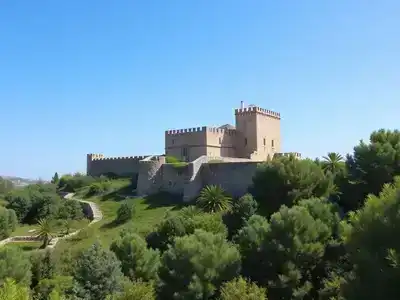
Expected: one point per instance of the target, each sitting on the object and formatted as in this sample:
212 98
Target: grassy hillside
149 211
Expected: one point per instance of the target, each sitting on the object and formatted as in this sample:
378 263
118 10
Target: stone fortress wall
155 175
98 164
227 156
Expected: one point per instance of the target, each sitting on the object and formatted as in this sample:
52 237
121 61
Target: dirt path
97 216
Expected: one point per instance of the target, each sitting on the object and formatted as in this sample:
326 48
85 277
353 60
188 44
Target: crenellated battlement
102 157
219 130
288 154
186 130
200 129
259 110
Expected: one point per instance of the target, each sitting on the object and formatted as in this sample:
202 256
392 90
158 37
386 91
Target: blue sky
111 76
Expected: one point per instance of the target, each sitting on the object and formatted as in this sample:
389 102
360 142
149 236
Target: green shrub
242 289
34 202
136 290
71 210
180 225
98 188
175 162
125 212
137 260
171 160
71 183
8 222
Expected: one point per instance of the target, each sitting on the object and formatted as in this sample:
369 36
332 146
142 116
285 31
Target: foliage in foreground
97 274
137 261
241 289
8 222
12 291
182 273
214 199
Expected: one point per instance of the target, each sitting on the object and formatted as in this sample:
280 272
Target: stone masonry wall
156 176
234 177
149 173
198 175
164 178
121 166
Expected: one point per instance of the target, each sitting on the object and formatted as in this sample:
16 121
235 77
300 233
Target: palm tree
189 212
214 199
45 231
332 162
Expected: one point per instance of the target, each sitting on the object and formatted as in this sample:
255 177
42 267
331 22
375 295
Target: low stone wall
19 239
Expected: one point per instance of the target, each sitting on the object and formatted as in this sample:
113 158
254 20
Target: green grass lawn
58 227
25 246
149 212
23 229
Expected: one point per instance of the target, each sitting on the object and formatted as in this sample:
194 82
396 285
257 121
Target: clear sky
110 77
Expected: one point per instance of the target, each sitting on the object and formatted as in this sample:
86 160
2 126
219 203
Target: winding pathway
96 213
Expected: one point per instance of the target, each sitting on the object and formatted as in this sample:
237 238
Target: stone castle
226 155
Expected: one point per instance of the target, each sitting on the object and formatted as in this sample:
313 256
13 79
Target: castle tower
258 132
89 158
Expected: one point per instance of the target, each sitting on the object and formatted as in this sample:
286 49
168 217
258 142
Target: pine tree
55 178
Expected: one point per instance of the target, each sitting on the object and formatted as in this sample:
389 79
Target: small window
173 142
245 141
220 140
264 142
272 143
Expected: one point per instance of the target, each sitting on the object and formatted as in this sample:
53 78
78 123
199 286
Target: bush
98 188
60 284
20 202
8 222
15 264
241 211
71 183
43 266
285 180
137 261
71 210
35 202
136 290
242 289
97 274
125 212
180 225
196 265
171 160
5 185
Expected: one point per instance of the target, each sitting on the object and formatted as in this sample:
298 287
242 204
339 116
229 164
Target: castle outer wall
98 164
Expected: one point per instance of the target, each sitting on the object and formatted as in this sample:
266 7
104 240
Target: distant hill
19 181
